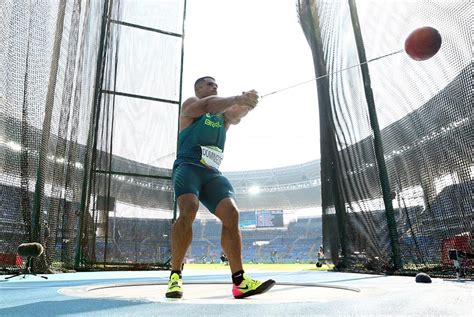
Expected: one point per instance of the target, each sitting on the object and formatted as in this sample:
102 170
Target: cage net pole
331 189
378 147
92 141
46 131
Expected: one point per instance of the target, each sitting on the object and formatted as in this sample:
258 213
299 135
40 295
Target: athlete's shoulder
189 103
193 107
190 100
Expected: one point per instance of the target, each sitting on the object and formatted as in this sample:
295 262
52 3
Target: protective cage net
425 118
83 162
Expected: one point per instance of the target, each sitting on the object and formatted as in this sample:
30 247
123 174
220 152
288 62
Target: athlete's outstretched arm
195 107
235 113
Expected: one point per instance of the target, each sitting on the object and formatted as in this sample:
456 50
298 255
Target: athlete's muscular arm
195 107
235 113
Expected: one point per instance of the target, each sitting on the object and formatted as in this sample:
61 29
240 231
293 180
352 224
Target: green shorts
208 184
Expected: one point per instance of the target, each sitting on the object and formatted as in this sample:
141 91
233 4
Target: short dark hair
199 80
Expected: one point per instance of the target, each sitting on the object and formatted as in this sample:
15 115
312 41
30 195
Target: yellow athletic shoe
250 287
175 286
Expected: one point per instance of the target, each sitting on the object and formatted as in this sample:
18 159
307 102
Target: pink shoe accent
235 291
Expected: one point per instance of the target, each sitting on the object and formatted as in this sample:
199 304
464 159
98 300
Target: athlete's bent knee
188 207
228 213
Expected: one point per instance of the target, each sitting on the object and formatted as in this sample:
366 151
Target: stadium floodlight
254 190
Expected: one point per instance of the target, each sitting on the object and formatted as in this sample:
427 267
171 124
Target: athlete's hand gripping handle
248 98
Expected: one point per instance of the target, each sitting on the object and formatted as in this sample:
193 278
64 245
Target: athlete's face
207 87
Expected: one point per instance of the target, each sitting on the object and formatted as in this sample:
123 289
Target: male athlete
203 123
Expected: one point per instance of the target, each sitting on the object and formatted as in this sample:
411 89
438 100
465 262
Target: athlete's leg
231 238
243 285
182 231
